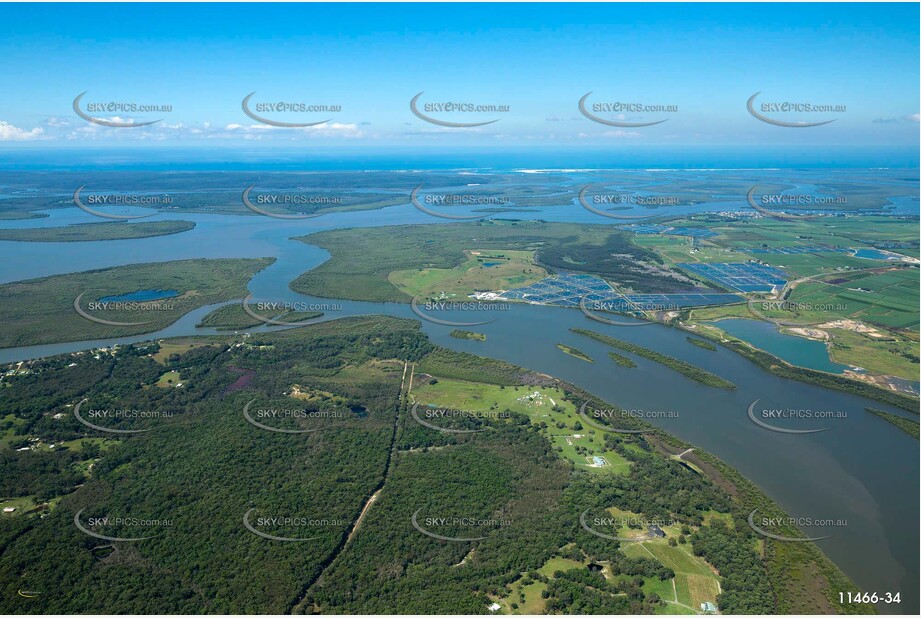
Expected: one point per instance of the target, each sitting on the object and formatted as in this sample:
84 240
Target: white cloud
327 129
913 117
615 134
9 133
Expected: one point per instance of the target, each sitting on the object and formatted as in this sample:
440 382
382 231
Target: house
9 509
494 607
708 608
656 531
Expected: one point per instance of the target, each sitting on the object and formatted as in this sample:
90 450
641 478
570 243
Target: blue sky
538 60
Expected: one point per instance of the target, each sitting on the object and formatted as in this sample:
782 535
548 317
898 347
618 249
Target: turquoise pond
795 350
873 254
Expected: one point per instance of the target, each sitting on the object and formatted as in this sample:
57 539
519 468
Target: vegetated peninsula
374 484
396 264
907 425
85 232
40 311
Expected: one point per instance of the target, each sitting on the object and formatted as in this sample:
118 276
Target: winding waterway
862 470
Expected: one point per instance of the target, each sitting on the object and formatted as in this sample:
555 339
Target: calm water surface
863 470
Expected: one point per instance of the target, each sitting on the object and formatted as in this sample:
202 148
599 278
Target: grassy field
482 270
177 346
559 419
462 395
892 355
888 299
695 581
21 504
41 311
79 232
169 379
533 603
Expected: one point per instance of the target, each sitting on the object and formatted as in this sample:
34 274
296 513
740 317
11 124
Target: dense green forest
337 458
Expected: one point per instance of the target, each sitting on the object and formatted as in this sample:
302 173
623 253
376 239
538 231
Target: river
862 470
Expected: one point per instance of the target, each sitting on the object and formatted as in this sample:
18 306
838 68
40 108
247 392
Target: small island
701 343
575 352
621 360
467 334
